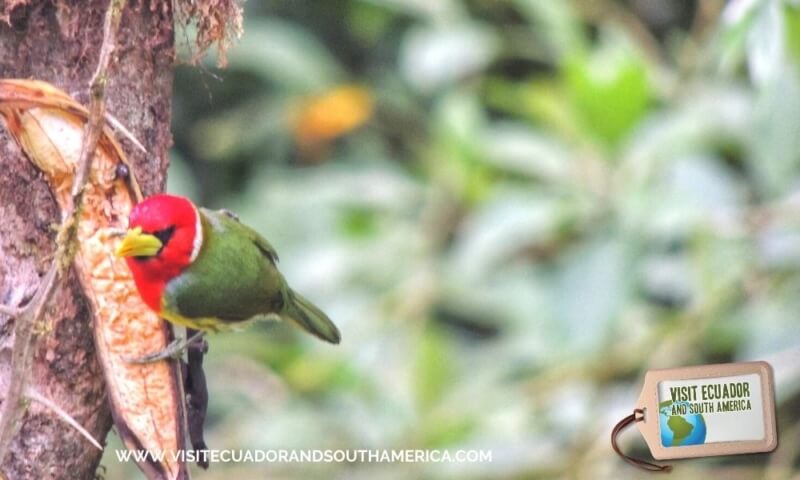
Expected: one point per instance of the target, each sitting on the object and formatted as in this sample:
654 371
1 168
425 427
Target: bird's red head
164 237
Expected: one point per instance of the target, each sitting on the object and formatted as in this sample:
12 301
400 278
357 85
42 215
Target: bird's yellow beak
138 244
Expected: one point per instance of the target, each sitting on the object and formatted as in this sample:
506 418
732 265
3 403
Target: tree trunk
59 41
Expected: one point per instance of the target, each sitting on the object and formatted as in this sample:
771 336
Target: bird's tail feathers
310 318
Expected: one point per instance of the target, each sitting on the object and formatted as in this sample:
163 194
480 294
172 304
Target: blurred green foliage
546 200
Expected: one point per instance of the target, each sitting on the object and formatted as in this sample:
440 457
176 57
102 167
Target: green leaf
432 58
358 222
241 130
368 22
440 10
610 92
459 118
285 54
433 368
443 431
518 149
591 290
317 374
791 21
775 144
556 24
544 101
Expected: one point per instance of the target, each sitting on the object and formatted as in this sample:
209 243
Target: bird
206 270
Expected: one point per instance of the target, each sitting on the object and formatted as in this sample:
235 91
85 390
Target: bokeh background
512 209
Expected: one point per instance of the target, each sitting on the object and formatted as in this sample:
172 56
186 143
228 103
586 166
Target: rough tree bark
59 41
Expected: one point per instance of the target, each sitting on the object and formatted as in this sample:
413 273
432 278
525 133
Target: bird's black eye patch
164 235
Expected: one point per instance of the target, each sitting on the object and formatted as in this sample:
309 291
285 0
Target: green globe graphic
680 430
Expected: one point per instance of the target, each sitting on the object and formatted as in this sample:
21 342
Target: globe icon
680 430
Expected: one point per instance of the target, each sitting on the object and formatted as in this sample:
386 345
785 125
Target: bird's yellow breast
206 324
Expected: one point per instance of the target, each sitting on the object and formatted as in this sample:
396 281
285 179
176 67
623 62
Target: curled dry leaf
146 400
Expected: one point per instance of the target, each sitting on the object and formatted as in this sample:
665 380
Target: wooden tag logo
706 410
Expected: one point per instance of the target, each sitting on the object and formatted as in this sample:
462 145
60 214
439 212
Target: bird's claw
166 354
173 351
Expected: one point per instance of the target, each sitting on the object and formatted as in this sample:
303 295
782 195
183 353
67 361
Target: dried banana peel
146 400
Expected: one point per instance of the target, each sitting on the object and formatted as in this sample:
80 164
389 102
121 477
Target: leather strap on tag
636 416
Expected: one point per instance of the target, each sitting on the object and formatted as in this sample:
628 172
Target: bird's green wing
233 278
293 306
231 223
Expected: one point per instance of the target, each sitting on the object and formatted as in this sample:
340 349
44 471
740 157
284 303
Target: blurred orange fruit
332 114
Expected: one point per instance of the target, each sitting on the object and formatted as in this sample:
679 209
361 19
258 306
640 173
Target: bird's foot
173 351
